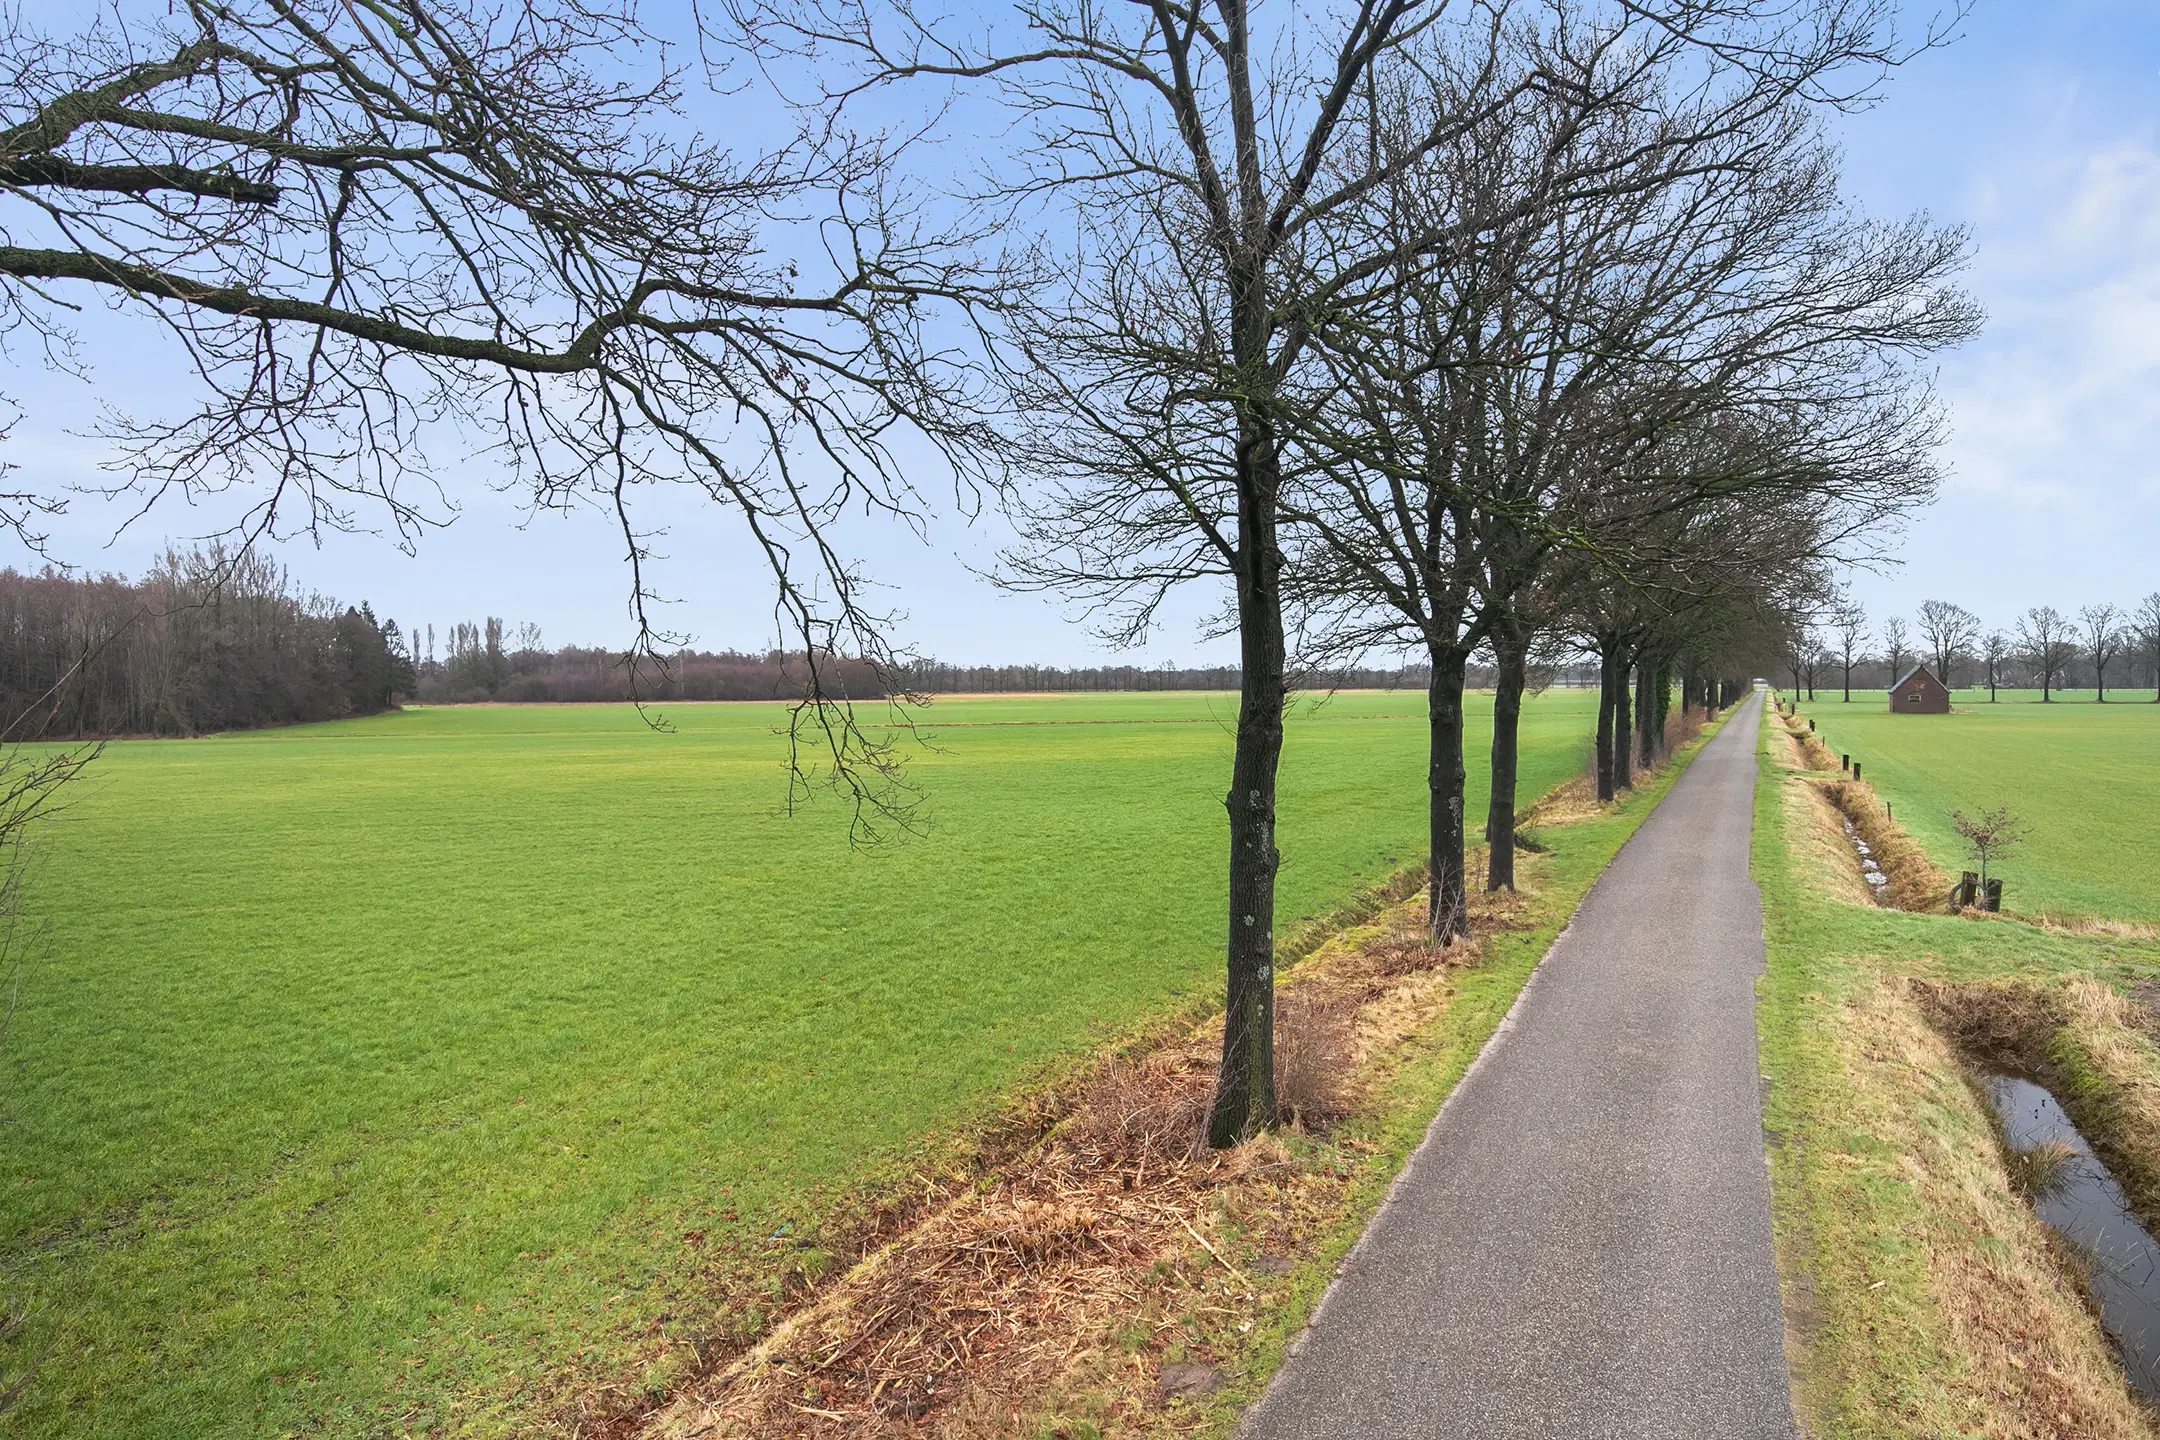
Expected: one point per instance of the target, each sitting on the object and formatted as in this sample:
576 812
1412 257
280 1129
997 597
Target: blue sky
2039 128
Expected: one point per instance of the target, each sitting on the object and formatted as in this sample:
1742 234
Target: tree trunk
1623 724
1510 655
1661 702
1447 911
1645 713
1605 726
1245 1087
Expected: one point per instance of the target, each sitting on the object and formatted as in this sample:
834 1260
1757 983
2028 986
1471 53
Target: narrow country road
1581 1246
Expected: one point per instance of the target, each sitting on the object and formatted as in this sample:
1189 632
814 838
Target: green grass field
2085 778
411 1072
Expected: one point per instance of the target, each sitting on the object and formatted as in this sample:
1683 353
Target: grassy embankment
2084 778
417 1072
1926 1298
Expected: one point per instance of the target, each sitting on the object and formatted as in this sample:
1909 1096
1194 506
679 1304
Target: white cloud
2055 404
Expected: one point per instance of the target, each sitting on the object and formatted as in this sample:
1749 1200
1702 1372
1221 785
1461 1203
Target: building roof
1916 670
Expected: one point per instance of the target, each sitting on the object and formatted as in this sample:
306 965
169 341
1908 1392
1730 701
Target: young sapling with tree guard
1988 835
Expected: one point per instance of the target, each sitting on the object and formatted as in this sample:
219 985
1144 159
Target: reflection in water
2086 1207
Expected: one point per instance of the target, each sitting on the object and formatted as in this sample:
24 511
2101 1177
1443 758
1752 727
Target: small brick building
1919 693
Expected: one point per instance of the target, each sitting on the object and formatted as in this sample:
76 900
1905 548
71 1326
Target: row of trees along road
2044 649
1413 326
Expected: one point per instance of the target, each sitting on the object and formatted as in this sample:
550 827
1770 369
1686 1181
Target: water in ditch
2085 1206
1878 883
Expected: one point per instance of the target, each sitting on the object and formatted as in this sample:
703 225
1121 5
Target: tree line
1416 331
2044 649
205 641
490 662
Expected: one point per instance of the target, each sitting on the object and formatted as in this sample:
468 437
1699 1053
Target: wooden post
1994 897
1968 889
1811 727
1844 762
1855 769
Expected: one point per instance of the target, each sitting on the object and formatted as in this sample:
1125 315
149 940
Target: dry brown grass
2008 1025
1368 902
2092 925
2111 1071
1315 1059
1682 726
1576 800
2039 1171
1814 755
971 1313
1071 1268
1915 882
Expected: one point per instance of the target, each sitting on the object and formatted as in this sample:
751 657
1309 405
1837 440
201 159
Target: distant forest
203 642
207 642
488 661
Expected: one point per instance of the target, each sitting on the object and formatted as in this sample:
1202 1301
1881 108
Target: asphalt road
1581 1246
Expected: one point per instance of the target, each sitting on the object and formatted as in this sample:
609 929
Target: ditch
1877 882
2077 1196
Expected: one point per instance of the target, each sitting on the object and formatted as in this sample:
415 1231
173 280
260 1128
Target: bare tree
2146 620
1948 630
371 227
1849 624
1988 834
2047 639
2104 640
1168 293
1180 166
1894 652
1518 394
1466 391
1994 650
